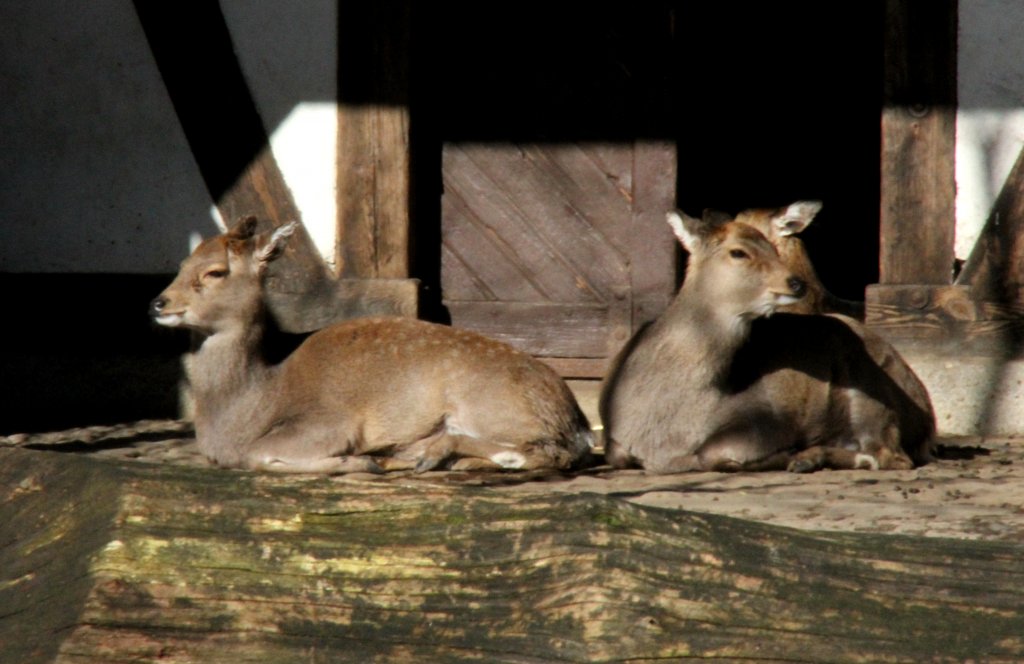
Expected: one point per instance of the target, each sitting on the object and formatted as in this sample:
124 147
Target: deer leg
329 465
448 445
836 458
751 445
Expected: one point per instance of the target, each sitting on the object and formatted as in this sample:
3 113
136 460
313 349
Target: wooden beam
232 151
373 139
918 137
995 268
653 251
946 320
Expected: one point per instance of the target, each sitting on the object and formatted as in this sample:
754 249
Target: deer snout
158 312
156 307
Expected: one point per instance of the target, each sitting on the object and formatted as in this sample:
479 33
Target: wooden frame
920 303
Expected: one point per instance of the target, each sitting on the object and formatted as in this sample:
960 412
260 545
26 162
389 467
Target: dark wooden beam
918 137
373 138
231 146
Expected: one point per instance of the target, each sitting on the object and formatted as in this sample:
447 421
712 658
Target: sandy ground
974 490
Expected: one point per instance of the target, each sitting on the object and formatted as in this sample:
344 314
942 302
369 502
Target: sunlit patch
509 459
865 462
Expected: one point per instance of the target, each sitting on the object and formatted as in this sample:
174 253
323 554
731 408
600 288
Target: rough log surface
106 558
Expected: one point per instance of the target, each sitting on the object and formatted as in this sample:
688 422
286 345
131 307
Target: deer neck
710 333
228 376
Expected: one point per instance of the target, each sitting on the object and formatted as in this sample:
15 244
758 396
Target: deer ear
689 231
269 246
243 229
795 218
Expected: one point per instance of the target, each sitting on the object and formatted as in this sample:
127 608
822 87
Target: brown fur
714 384
782 227
401 392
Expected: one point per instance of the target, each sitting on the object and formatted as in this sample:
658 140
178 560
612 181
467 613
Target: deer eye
739 254
215 273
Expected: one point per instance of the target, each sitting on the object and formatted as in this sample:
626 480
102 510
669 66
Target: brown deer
782 227
722 382
361 395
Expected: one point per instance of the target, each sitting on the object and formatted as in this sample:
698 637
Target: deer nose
797 285
156 307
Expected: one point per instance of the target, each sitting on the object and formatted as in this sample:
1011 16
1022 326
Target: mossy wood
105 561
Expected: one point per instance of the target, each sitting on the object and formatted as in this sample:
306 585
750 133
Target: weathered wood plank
493 266
653 249
544 329
373 139
373 191
183 564
514 196
945 319
918 138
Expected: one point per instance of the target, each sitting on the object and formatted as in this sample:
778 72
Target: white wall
95 172
289 55
990 122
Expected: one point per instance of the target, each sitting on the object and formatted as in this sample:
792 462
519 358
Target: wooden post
918 140
373 138
918 219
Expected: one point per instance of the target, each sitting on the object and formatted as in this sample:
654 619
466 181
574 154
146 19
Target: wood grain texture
373 191
945 320
918 138
374 46
570 229
180 564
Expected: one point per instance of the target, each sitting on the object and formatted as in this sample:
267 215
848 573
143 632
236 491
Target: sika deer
402 392
782 227
719 383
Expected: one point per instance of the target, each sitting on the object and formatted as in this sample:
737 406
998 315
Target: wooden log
115 561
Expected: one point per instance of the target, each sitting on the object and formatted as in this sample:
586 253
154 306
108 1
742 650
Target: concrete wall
97 173
100 195
990 122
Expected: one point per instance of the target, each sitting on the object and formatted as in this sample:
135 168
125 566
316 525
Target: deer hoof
802 466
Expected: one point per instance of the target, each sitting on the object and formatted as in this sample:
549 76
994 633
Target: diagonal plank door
559 249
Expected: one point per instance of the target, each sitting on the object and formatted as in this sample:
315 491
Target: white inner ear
688 239
276 241
796 218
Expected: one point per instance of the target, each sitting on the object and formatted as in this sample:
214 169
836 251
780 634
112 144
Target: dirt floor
974 490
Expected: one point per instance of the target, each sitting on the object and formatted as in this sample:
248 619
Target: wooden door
560 249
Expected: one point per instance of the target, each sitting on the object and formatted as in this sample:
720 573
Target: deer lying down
782 228
719 383
404 393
